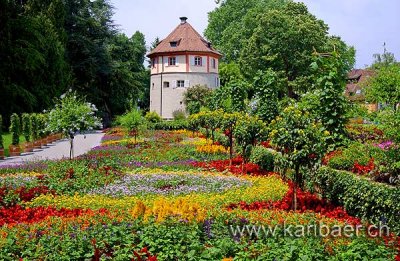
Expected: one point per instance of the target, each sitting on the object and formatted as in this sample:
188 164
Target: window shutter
174 84
187 83
176 60
201 61
192 60
219 82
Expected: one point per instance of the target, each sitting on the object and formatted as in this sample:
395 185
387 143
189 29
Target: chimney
183 19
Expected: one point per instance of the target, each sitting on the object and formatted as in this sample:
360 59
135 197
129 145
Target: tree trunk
71 149
230 149
295 185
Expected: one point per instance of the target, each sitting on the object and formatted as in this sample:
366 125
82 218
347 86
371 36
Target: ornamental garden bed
169 195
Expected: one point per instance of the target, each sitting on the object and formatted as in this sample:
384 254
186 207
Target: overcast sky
365 24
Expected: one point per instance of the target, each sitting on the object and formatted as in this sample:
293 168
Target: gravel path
59 149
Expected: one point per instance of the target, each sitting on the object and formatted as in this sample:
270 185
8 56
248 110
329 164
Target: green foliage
383 60
266 88
152 117
35 126
300 140
348 156
384 87
248 131
15 128
179 115
31 42
360 197
233 22
128 79
1 133
71 114
26 126
132 121
196 97
330 74
284 40
263 157
237 91
390 123
229 72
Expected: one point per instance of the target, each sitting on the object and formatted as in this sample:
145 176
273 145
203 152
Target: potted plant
15 129
1 140
27 130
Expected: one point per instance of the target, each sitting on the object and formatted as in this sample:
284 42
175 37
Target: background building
181 60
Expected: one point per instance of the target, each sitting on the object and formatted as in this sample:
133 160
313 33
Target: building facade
182 60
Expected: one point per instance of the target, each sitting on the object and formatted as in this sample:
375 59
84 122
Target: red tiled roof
356 78
187 39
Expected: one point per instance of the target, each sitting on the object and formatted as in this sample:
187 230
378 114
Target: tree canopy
273 34
50 46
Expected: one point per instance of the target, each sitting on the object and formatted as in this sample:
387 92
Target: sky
364 24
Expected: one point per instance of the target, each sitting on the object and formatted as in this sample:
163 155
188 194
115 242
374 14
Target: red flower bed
305 202
236 167
18 214
25 194
361 169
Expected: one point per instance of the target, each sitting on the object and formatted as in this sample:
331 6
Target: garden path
59 149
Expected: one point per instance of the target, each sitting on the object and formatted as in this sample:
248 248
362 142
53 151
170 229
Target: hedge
171 125
363 198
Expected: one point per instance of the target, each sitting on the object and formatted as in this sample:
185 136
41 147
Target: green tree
127 83
383 60
247 132
301 142
196 97
27 126
32 58
266 88
330 79
384 87
15 128
284 40
70 115
132 121
233 22
229 72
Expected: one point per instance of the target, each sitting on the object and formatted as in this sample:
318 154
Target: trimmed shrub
15 128
363 198
153 117
26 126
35 127
263 157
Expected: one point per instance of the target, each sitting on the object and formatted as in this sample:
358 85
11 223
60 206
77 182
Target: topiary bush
263 157
27 126
152 117
35 127
15 129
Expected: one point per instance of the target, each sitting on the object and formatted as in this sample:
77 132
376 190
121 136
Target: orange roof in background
354 87
187 39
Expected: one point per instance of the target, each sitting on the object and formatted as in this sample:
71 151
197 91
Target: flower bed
160 199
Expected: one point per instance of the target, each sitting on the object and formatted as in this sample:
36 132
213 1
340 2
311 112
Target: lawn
7 139
171 195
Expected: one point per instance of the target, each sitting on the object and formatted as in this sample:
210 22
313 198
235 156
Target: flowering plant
71 115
